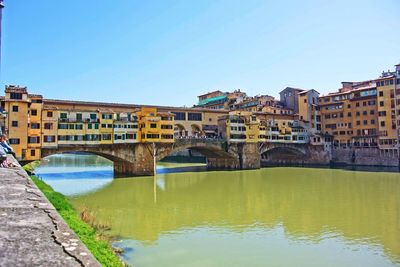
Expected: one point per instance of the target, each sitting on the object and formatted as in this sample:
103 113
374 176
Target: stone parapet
32 233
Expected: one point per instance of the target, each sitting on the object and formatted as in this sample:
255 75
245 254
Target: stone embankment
32 233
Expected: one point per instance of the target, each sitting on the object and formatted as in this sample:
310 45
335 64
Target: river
269 217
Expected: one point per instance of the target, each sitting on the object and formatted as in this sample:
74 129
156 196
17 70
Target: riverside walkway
32 233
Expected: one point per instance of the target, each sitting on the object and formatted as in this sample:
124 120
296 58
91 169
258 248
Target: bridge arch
180 130
214 151
128 159
195 129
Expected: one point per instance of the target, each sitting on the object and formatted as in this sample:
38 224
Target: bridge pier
223 164
127 169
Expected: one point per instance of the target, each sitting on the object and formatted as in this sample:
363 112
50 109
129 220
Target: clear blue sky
168 52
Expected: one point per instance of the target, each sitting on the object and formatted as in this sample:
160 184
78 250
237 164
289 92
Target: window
357 104
348 114
130 136
106 116
79 116
167 136
180 116
166 126
14 141
365 112
358 122
90 126
15 108
365 122
96 126
106 137
358 113
153 125
35 125
49 114
34 112
62 126
380 93
194 116
15 95
14 123
381 104
48 126
93 116
33 152
79 126
152 136
49 138
63 115
382 123
372 112
33 139
372 121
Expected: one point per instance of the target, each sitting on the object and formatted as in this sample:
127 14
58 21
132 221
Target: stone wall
32 232
364 156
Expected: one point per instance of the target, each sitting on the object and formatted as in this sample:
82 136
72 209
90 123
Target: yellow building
155 126
106 126
34 127
240 126
16 104
387 106
309 111
49 127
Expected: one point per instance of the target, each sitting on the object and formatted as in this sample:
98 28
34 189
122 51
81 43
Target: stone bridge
139 159
289 153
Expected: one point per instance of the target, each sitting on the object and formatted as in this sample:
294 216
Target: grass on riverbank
99 247
30 167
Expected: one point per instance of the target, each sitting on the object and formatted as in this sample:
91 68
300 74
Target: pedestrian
7 148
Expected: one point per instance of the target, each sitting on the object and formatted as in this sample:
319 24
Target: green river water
268 217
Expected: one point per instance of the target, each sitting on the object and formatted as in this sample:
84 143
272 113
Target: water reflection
274 216
308 204
75 174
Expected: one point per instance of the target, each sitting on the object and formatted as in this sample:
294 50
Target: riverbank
32 231
97 244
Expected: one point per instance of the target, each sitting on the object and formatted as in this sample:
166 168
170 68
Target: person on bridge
7 148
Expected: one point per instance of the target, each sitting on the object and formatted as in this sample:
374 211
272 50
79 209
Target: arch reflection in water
281 216
75 174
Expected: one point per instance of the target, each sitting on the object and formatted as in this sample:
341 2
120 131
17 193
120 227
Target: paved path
32 233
